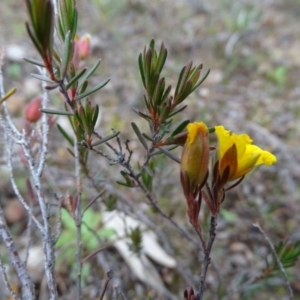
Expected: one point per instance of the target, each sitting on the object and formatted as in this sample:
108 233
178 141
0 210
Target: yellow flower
195 155
237 153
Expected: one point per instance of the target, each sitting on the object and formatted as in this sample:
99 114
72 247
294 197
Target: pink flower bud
32 110
84 46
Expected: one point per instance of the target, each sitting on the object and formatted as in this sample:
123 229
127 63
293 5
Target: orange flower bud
195 155
32 111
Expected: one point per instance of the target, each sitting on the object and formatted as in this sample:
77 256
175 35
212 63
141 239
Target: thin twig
199 233
120 292
289 288
130 152
6 282
110 275
91 255
107 144
92 202
28 238
101 153
119 142
28 292
207 259
45 127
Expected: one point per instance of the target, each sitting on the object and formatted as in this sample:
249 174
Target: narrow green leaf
164 114
127 178
139 135
152 84
71 152
56 112
147 104
158 91
185 92
182 78
148 60
42 78
95 115
146 117
180 127
75 21
141 67
84 87
174 112
66 54
179 82
194 76
163 53
106 139
63 16
88 74
51 87
201 81
166 94
158 151
148 137
93 90
61 29
125 184
34 39
48 21
152 44
169 154
75 78
35 62
66 136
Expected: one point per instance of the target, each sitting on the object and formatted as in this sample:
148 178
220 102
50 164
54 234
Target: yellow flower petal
194 129
247 155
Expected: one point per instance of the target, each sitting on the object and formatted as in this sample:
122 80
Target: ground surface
252 49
